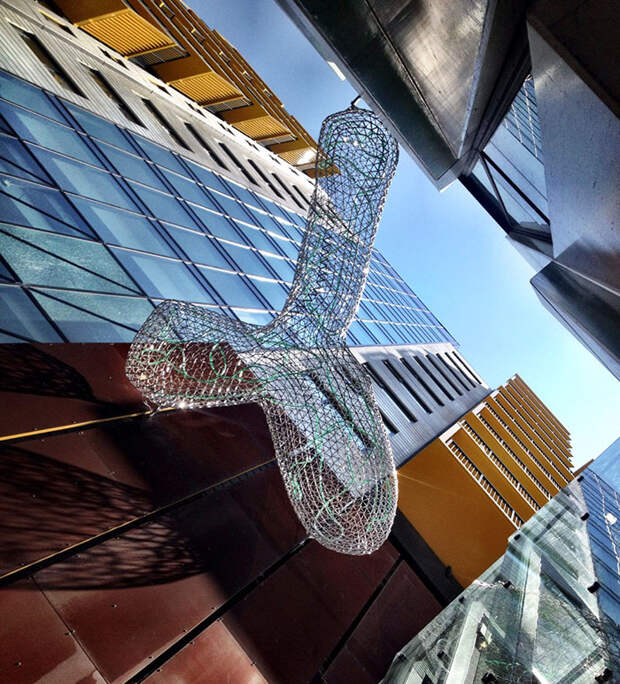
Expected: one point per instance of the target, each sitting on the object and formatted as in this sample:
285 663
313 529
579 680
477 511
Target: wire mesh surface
330 443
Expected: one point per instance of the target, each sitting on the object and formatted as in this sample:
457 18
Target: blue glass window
232 208
198 247
233 290
16 160
133 167
257 238
282 267
247 260
164 207
189 190
163 278
86 326
289 248
20 316
254 317
83 180
22 93
208 178
47 133
218 225
39 207
63 263
160 155
272 291
122 227
244 195
98 127
362 333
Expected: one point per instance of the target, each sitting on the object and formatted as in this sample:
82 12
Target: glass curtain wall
99 224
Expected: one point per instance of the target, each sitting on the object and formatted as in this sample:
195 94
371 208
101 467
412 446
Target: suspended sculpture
330 443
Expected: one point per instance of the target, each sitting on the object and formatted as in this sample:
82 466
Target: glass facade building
99 224
548 611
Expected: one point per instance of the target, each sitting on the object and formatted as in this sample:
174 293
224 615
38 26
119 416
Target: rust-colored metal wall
164 547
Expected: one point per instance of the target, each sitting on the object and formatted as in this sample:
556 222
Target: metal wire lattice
330 443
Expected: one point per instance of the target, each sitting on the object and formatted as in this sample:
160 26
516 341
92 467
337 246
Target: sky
449 250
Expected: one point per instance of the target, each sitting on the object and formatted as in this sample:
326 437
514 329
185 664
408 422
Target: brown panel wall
225 564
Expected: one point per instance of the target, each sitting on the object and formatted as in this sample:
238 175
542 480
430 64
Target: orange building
479 481
176 46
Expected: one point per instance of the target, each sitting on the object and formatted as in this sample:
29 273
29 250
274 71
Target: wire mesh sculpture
330 443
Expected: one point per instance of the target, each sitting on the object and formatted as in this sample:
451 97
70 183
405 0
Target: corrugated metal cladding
165 546
208 88
128 33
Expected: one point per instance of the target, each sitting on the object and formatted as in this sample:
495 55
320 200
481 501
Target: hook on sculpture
330 442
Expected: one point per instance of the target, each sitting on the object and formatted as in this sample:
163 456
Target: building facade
106 216
547 611
484 477
499 96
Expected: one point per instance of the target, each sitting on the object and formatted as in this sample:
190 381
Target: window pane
244 195
83 180
208 178
254 317
47 133
272 291
22 93
159 155
133 167
282 267
198 247
20 316
232 208
163 277
52 211
362 334
216 224
247 260
257 238
37 267
98 127
122 228
188 190
82 326
231 288
164 207
16 160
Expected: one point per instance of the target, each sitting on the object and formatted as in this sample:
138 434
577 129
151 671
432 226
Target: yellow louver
115 24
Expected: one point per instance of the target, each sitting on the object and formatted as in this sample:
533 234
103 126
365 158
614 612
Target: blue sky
445 245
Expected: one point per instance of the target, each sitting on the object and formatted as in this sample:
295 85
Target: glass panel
98 127
247 260
272 291
216 224
164 207
133 167
198 247
163 278
232 208
81 326
19 202
208 178
16 160
158 154
36 267
188 190
231 288
245 195
362 334
83 180
516 206
254 317
20 316
122 228
282 267
289 248
257 238
47 133
22 93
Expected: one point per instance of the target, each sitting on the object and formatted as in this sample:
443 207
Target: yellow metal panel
128 33
208 89
263 128
454 515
